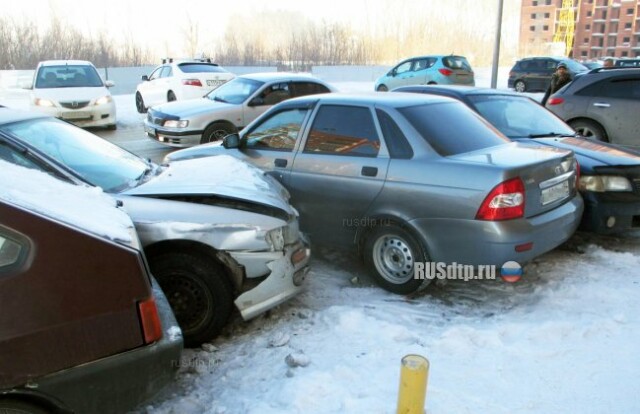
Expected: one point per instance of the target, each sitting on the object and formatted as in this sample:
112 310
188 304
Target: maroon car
83 326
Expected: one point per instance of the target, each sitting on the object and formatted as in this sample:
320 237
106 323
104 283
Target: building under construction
583 29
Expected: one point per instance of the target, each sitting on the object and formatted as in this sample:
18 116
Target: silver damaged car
216 232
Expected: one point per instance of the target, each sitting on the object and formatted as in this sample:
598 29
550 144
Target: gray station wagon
408 178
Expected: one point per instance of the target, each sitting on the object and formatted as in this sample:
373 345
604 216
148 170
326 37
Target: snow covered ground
564 339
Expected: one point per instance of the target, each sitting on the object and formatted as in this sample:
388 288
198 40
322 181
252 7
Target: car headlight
43 102
600 183
275 238
176 123
103 100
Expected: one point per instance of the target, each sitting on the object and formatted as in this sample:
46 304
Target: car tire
382 88
140 103
390 253
198 291
171 96
20 407
112 127
589 129
520 86
217 131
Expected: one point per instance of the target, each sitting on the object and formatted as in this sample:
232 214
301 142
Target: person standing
560 78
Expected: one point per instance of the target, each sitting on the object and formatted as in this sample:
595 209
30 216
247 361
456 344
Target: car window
435 123
622 89
278 132
97 161
592 90
307 88
456 62
343 130
13 249
166 72
548 64
155 74
236 91
420 64
397 143
518 117
200 68
275 93
67 76
574 66
404 67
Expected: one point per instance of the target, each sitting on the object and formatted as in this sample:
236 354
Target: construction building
583 29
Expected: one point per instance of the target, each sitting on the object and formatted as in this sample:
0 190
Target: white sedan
178 80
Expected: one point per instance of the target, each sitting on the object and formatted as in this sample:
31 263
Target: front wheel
198 291
390 255
217 131
382 88
589 129
140 103
520 86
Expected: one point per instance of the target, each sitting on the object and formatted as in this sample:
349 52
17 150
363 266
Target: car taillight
555 101
150 320
192 82
445 72
504 202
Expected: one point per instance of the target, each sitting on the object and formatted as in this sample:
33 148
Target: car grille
74 104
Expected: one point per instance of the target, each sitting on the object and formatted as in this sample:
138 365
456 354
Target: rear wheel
382 88
390 254
589 129
171 96
198 291
112 127
20 407
217 131
140 103
520 86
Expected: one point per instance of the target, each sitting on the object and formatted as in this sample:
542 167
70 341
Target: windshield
200 68
519 117
97 161
68 76
235 91
574 66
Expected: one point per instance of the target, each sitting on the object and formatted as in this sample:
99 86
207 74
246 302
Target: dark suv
534 74
602 105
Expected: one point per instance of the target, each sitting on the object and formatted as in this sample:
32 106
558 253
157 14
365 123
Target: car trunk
548 174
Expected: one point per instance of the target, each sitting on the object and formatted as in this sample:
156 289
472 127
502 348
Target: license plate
555 193
76 115
150 131
214 82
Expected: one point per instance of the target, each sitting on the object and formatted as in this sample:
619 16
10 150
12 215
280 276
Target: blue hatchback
428 70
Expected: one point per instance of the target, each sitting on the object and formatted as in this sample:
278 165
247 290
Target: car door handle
369 171
279 162
602 104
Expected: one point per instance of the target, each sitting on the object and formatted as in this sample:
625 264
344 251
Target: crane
566 26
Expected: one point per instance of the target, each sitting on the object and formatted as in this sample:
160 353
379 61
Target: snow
85 207
564 339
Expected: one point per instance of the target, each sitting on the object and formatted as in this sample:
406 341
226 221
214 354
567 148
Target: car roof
279 76
9 115
392 99
65 62
458 90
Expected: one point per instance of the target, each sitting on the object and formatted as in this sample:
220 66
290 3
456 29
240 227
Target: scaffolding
566 26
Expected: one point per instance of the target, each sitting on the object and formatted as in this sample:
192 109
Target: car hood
71 94
223 176
514 154
591 153
191 107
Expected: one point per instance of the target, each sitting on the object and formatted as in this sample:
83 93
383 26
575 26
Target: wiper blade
215 98
550 134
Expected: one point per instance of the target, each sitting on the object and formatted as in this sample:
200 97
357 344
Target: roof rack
203 60
596 70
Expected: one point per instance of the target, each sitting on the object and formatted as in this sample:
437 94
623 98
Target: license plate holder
555 193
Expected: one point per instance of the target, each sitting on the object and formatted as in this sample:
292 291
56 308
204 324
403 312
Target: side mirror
109 84
231 141
144 78
257 101
25 84
392 72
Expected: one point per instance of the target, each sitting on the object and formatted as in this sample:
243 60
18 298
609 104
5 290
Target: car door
338 172
401 75
616 107
152 90
421 70
271 144
263 99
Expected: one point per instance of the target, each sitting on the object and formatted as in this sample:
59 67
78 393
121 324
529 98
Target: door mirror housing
144 77
109 84
231 141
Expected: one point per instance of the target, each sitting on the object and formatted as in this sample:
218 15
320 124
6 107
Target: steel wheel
393 259
589 129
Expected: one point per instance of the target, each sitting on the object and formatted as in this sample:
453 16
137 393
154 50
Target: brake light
555 101
505 202
445 72
191 82
150 320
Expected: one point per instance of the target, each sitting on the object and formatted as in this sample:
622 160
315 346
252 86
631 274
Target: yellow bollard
413 384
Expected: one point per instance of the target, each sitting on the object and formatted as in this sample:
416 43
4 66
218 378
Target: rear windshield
451 128
68 76
456 62
200 67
